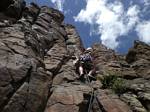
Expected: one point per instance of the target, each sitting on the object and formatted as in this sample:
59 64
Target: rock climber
85 64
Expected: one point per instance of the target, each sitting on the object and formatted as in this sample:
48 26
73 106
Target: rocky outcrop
11 10
37 74
139 59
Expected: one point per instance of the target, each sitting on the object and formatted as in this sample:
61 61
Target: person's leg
81 72
90 73
91 67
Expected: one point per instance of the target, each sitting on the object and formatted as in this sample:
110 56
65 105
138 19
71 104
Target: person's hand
75 61
77 57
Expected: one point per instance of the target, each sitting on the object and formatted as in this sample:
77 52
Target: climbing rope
92 94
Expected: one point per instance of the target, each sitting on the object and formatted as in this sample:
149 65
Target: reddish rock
66 96
111 103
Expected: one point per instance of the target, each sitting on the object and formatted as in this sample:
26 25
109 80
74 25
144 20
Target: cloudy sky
114 23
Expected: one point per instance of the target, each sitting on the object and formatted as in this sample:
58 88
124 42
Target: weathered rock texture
37 73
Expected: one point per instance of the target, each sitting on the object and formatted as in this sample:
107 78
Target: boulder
134 103
68 97
111 103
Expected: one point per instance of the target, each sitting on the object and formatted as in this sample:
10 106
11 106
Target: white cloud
132 16
146 2
146 8
59 4
143 31
111 18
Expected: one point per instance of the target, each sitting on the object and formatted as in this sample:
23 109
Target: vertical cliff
37 72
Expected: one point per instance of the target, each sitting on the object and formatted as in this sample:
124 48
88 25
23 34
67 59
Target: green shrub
115 83
108 81
119 86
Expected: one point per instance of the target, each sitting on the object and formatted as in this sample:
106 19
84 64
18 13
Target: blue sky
114 23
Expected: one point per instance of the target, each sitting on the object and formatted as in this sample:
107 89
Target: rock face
37 72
